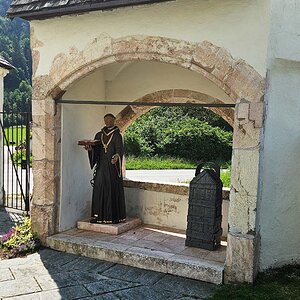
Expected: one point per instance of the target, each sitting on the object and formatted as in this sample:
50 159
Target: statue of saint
108 202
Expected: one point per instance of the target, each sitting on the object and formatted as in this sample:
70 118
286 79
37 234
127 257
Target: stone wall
164 204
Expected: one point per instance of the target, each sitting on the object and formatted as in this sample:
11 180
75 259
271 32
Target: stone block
144 258
240 263
243 111
115 229
242 213
256 114
196 268
245 135
245 168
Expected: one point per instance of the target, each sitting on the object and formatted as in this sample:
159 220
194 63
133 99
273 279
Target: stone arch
235 77
132 112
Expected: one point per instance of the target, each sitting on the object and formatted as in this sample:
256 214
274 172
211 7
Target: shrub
19 240
178 133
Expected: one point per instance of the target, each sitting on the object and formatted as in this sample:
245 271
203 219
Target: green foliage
20 155
15 135
157 163
15 48
164 163
19 240
225 177
180 132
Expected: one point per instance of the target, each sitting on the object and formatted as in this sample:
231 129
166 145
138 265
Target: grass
164 163
277 284
15 135
157 163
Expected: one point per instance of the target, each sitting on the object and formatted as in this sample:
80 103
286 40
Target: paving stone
133 274
108 285
7 263
184 286
18 287
5 274
145 293
82 264
73 292
55 258
29 270
103 265
64 279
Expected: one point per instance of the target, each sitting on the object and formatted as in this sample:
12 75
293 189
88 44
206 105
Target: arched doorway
239 81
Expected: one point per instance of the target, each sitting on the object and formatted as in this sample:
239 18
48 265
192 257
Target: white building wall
78 122
279 210
239 26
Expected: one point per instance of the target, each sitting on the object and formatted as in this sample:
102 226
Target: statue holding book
105 155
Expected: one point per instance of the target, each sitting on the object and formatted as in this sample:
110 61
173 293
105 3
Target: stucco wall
167 209
239 26
78 122
279 209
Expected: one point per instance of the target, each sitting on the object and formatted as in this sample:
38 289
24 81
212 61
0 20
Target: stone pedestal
116 229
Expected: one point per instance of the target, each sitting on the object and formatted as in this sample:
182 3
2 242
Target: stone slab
143 258
18 287
115 229
72 292
6 274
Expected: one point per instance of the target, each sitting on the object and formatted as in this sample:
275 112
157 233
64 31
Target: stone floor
55 275
146 247
8 218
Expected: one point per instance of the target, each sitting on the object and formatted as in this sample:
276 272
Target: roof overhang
5 64
38 10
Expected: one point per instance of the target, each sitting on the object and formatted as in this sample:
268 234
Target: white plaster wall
141 78
164 209
279 208
131 81
78 122
239 26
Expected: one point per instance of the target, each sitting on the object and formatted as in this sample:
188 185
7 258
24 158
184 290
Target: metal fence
15 160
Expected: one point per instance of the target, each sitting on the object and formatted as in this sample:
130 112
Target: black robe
108 202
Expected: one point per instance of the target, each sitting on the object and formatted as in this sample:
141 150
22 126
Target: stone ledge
176 188
189 267
115 229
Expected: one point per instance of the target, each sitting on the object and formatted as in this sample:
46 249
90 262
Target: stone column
242 256
45 165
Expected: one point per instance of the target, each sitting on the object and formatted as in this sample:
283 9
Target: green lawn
162 163
278 284
15 134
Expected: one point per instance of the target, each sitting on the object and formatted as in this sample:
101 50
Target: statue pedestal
129 224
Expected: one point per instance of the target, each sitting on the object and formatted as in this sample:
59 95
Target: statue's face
109 121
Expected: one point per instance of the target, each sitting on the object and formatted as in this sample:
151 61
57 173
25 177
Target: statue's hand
114 159
88 147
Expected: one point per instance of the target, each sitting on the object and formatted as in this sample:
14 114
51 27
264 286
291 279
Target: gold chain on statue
105 146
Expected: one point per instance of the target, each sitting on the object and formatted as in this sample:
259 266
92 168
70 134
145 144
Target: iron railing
15 181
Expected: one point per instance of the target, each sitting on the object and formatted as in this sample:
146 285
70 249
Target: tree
15 48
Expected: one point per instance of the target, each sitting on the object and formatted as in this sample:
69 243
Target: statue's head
109 120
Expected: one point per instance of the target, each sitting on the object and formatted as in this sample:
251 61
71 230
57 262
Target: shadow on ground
8 219
53 275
